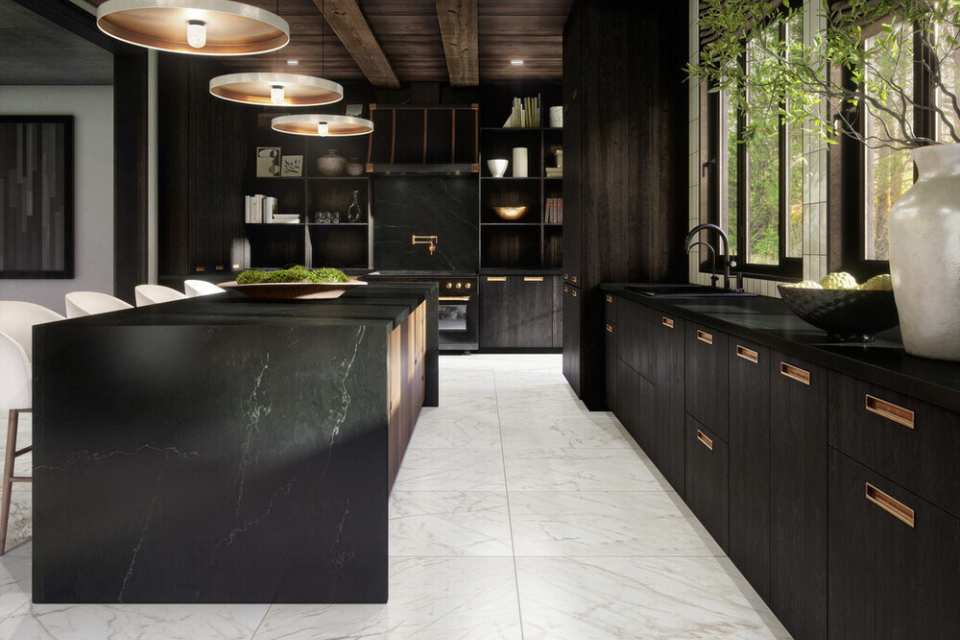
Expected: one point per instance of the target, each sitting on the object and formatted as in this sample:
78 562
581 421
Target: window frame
788 268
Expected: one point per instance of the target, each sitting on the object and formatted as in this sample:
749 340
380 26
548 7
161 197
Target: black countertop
768 321
388 304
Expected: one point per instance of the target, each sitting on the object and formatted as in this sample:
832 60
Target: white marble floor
517 515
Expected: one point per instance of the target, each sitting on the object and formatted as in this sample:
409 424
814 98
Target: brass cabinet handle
891 505
496 278
705 440
454 298
892 412
704 337
533 278
747 354
609 299
573 292
795 373
667 322
611 328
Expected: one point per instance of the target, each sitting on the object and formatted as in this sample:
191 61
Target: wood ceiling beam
348 22
459 29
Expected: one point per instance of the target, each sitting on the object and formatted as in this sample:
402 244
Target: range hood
424 140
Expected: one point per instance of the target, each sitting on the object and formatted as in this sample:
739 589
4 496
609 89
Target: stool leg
9 455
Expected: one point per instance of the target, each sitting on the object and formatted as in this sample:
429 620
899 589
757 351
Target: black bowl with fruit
846 314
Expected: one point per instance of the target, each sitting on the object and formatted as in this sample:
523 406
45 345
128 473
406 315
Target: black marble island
223 450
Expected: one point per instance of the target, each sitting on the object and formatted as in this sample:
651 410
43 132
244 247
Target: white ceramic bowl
498 167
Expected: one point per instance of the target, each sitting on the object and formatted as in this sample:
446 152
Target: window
756 186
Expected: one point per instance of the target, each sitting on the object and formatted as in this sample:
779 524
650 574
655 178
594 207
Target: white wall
92 108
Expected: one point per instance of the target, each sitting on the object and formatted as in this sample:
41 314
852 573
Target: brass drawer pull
609 299
611 328
795 373
533 278
573 279
704 337
454 298
892 412
747 354
573 292
891 505
496 278
667 322
705 440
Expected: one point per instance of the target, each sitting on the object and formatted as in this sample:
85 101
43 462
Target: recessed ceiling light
293 63
517 62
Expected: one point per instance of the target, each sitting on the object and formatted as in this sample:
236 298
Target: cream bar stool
88 303
194 288
148 294
15 398
17 319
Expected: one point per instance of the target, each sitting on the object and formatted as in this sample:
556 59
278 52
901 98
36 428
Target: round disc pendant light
199 27
322 125
276 89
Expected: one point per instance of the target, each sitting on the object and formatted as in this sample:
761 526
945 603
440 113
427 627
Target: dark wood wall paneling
625 191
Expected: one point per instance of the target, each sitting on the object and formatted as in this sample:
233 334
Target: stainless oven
459 313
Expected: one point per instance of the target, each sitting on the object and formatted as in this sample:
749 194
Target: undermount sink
685 291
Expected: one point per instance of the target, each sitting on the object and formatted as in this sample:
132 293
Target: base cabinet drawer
669 431
912 443
706 480
894 560
635 404
706 373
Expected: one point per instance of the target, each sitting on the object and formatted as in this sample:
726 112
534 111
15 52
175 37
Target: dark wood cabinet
612 357
798 496
894 559
636 344
557 287
707 472
571 336
749 544
635 404
667 452
706 377
517 312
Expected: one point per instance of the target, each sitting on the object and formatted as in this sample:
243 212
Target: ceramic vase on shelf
519 162
925 255
498 167
331 164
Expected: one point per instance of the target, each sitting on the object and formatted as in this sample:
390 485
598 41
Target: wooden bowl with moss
295 283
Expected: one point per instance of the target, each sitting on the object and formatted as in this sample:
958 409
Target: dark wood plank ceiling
409 33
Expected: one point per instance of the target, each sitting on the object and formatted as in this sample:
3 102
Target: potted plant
800 81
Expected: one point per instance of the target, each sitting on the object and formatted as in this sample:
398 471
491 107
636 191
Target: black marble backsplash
426 205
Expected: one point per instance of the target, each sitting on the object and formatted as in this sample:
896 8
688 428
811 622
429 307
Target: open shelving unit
346 245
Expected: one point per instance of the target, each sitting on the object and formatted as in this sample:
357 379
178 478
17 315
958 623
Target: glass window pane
763 162
889 172
948 53
728 168
796 166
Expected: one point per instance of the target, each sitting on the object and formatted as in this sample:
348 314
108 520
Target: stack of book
525 114
553 211
261 209
554 172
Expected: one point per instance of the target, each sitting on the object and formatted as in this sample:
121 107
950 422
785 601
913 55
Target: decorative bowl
845 314
293 290
498 167
511 213
331 164
355 168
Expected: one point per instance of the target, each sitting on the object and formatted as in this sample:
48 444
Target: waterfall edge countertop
770 322
223 450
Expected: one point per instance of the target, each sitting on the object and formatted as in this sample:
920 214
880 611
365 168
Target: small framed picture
291 166
268 162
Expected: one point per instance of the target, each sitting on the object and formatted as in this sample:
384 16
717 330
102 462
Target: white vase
519 162
925 255
498 167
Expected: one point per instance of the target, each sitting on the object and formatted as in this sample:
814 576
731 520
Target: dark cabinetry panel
798 492
635 404
706 479
749 546
571 336
517 312
912 443
667 339
706 377
894 560
636 346
612 357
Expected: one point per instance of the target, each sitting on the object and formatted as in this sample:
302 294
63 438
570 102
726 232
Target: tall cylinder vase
519 162
925 255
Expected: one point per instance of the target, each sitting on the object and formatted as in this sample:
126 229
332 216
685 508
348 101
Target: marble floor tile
430 599
561 432
442 428
151 622
591 524
449 523
581 470
636 599
451 470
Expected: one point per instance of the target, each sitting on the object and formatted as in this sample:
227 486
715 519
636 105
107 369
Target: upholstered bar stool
15 398
147 294
17 319
88 303
194 288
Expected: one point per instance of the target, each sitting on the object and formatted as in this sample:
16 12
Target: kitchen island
224 450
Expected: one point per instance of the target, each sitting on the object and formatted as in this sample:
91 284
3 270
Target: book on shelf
261 209
553 211
525 114
554 172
